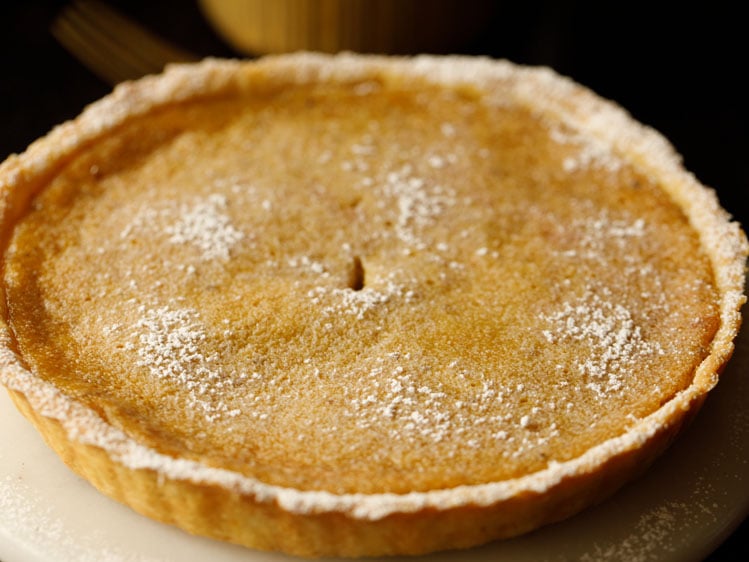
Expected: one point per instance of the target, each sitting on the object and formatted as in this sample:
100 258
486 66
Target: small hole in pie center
356 274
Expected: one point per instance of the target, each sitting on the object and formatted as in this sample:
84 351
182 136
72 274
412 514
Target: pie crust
357 306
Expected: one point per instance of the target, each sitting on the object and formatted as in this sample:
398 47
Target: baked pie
355 305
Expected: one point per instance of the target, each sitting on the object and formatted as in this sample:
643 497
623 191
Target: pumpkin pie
355 305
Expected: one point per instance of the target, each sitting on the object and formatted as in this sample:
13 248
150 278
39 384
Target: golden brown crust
196 507
319 520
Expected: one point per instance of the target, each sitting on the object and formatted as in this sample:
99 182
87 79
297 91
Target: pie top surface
383 283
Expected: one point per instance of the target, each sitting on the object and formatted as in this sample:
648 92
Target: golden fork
112 46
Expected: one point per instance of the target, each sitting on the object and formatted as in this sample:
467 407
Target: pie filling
361 287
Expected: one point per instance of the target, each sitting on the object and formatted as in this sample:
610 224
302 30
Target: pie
356 305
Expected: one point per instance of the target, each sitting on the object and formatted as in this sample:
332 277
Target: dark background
679 70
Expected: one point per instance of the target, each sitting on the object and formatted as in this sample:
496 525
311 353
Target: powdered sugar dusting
614 342
348 301
656 532
417 202
419 408
202 224
589 151
205 226
393 395
28 518
597 231
168 342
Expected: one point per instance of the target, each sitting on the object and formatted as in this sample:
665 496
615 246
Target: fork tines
111 45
